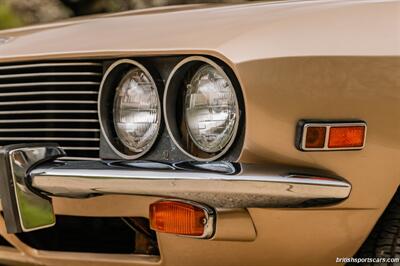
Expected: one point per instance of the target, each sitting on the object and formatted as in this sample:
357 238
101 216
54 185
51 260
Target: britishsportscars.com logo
367 260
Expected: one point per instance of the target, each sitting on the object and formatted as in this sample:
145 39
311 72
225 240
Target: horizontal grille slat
30 93
49 130
82 148
41 84
50 74
52 102
39 65
23 139
47 120
48 112
46 102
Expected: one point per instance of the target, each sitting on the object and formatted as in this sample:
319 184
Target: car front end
228 134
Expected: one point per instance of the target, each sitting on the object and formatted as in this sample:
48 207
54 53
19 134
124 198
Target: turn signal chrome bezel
319 136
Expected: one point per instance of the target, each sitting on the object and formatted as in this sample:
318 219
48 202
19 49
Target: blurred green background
16 13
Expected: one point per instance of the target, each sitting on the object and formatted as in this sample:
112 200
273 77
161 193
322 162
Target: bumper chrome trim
24 209
252 186
217 184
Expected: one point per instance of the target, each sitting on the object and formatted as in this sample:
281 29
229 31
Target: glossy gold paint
294 60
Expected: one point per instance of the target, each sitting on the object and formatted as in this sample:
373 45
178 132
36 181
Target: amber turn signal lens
315 137
343 137
177 218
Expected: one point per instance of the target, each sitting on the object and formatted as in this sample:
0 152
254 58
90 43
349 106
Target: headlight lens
137 112
211 109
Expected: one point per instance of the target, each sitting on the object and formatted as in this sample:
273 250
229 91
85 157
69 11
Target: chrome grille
51 102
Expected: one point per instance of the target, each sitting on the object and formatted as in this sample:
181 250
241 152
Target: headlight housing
202 109
211 109
129 109
136 110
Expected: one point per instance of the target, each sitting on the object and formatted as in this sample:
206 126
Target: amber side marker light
344 137
332 136
182 218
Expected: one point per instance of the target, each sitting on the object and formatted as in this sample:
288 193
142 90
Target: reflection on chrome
216 184
216 167
24 210
150 165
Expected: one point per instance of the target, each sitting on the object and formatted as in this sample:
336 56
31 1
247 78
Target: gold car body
294 60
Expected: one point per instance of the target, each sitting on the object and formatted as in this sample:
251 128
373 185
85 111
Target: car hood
235 32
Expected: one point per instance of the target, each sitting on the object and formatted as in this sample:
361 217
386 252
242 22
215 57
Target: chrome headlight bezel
114 74
175 87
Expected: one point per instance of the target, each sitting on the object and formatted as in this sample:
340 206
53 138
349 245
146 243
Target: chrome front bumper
31 174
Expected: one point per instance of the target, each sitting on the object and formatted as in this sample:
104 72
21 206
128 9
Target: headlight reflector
137 110
211 109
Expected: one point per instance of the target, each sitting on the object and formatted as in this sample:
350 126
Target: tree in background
7 17
25 12
85 7
14 13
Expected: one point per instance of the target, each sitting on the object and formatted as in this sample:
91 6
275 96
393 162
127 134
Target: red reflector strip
343 137
180 218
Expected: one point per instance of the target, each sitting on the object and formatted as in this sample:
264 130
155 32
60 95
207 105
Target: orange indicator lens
315 137
344 137
177 218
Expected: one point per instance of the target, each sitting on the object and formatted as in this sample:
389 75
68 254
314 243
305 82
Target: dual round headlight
210 109
200 104
137 110
129 109
201 108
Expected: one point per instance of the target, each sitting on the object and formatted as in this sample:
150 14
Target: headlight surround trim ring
173 88
112 77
